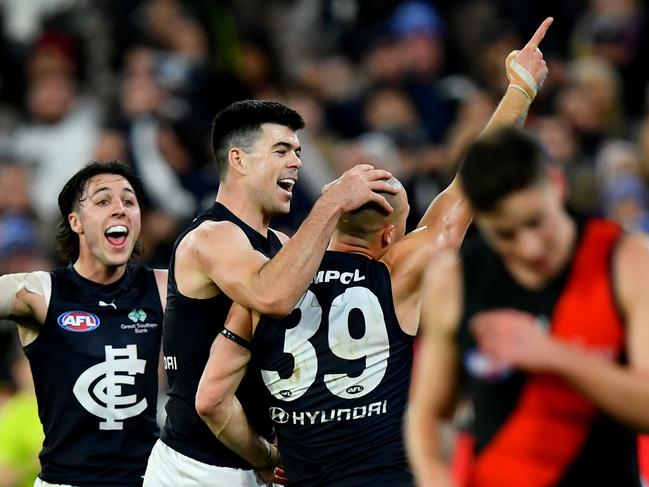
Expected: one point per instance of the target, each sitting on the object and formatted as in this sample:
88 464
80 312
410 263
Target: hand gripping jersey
336 374
95 368
536 430
190 327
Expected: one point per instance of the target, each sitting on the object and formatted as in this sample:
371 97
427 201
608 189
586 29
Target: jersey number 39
374 346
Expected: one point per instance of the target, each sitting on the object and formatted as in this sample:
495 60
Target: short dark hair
74 192
371 217
239 123
499 164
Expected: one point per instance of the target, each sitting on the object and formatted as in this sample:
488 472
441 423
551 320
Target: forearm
619 391
451 207
230 425
284 278
423 431
511 111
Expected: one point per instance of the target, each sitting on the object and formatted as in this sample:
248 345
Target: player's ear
236 161
75 222
388 235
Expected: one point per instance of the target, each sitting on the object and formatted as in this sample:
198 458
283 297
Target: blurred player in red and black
544 320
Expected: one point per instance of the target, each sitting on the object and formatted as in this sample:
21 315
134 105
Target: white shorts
41 483
168 468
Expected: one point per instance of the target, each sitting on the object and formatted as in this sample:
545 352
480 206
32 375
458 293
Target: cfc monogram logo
99 389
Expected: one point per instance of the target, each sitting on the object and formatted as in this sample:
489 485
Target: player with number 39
336 370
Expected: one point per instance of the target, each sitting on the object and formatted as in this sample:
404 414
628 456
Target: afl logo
278 415
78 321
354 389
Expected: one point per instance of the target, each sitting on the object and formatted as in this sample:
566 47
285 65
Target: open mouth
116 235
286 184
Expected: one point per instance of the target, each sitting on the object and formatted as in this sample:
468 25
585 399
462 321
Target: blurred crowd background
404 85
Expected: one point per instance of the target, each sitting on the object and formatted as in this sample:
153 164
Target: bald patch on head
370 217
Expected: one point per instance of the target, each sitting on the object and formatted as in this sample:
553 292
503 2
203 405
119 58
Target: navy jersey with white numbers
189 329
337 372
95 364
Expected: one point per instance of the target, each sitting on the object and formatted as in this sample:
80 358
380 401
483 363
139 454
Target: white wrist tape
34 282
521 79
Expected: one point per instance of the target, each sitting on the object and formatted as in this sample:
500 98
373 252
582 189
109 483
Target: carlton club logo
78 321
99 388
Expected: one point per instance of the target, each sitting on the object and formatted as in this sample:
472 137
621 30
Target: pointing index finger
538 36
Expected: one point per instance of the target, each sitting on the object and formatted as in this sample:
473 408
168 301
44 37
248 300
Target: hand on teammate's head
360 185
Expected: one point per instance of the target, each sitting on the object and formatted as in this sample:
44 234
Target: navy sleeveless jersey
95 366
535 426
190 327
337 372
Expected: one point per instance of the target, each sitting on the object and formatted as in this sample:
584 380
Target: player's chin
282 208
117 256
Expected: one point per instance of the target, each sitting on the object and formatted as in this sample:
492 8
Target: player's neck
243 208
354 245
95 271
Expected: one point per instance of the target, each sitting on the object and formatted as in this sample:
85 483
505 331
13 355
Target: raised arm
526 70
216 401
24 298
620 390
433 390
446 220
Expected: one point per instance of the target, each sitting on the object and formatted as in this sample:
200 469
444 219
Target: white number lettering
374 346
296 342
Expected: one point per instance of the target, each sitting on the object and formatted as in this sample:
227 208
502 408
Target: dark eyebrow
286 145
105 188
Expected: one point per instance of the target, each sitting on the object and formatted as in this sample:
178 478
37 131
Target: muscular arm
225 257
622 391
24 298
216 402
432 397
446 220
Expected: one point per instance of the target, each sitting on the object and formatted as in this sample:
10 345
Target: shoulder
214 230
631 263
632 249
212 235
39 283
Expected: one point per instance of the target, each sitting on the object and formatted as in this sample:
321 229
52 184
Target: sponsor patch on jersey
278 415
78 321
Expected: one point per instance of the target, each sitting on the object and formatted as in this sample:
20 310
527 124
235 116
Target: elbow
276 306
210 407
